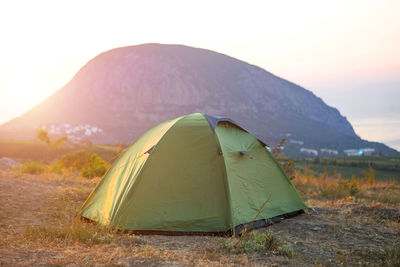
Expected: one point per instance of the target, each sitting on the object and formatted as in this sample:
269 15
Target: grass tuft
390 256
33 167
77 231
257 242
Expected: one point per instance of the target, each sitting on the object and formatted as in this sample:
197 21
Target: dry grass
39 227
68 234
321 187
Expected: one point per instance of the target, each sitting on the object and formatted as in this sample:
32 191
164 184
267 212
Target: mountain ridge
126 91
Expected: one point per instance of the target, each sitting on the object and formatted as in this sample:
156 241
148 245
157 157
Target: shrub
339 189
33 167
354 187
88 164
75 160
57 168
369 176
96 167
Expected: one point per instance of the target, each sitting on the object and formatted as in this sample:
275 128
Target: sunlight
311 43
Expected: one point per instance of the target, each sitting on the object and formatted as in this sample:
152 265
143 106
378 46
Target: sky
346 52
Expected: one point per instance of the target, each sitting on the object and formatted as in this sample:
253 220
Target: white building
329 151
352 152
309 151
296 142
359 152
367 151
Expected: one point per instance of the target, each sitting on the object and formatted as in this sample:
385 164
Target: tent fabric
214 120
183 176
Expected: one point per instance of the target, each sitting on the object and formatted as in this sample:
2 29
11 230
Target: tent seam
144 166
227 189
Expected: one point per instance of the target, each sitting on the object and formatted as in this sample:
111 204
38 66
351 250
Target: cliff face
126 91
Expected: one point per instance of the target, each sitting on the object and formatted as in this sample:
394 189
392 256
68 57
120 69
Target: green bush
75 160
354 187
33 167
96 167
57 168
88 164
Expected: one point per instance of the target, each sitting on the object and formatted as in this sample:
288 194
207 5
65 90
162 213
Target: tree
58 142
43 136
276 151
287 164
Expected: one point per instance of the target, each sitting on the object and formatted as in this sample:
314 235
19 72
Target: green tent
196 173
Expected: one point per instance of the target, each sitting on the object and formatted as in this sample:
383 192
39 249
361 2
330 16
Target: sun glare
313 43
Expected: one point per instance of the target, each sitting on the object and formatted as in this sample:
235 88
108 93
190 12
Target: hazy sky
346 52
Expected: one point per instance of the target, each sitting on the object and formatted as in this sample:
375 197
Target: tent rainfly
194 174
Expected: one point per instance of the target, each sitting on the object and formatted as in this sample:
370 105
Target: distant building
309 151
329 151
74 132
352 152
359 152
296 142
367 151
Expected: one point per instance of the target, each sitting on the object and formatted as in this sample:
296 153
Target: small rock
7 163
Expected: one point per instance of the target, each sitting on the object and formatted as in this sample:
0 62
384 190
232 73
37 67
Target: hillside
123 92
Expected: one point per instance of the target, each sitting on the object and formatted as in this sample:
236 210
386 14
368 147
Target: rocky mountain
123 92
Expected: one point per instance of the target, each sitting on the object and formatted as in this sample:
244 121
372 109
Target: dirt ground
332 234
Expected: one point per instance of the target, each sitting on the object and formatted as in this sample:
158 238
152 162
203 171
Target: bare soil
333 233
